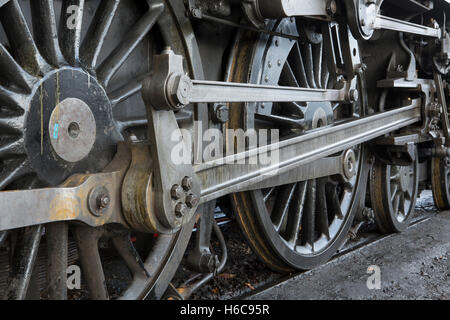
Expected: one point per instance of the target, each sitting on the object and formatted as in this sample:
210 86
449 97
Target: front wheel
393 194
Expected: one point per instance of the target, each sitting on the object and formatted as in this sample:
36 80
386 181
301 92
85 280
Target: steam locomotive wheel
440 182
299 225
69 92
393 195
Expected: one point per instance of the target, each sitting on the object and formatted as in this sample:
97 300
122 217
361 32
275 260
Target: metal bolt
132 138
192 201
447 161
349 164
167 50
176 192
196 13
209 263
187 183
331 7
98 201
353 95
181 210
279 63
179 89
221 113
103 201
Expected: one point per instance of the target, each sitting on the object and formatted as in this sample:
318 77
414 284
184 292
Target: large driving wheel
302 224
70 81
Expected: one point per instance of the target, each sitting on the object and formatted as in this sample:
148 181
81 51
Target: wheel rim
401 190
310 218
393 194
99 62
440 183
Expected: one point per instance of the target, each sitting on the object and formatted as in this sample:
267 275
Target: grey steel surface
413 265
224 176
210 91
388 23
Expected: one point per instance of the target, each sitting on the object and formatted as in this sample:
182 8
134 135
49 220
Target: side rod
81 198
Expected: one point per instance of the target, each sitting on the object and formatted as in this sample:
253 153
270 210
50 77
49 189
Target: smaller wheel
440 175
393 192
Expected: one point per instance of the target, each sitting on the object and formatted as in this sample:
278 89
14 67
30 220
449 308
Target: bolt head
187 183
181 210
222 113
192 201
176 192
354 95
447 162
103 201
209 262
331 7
179 87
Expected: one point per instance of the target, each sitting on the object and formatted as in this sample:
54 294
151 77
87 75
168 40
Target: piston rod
291 8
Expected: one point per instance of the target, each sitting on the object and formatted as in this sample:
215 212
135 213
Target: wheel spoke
13 72
283 201
56 235
23 47
268 194
317 59
333 200
306 50
295 214
287 77
128 252
96 34
308 225
299 66
396 202
120 54
126 91
46 31
402 206
12 171
87 243
394 192
70 30
325 73
286 121
3 236
12 100
292 108
23 262
322 211
12 148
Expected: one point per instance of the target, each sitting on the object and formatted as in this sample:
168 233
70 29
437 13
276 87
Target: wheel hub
318 114
405 179
72 130
69 126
